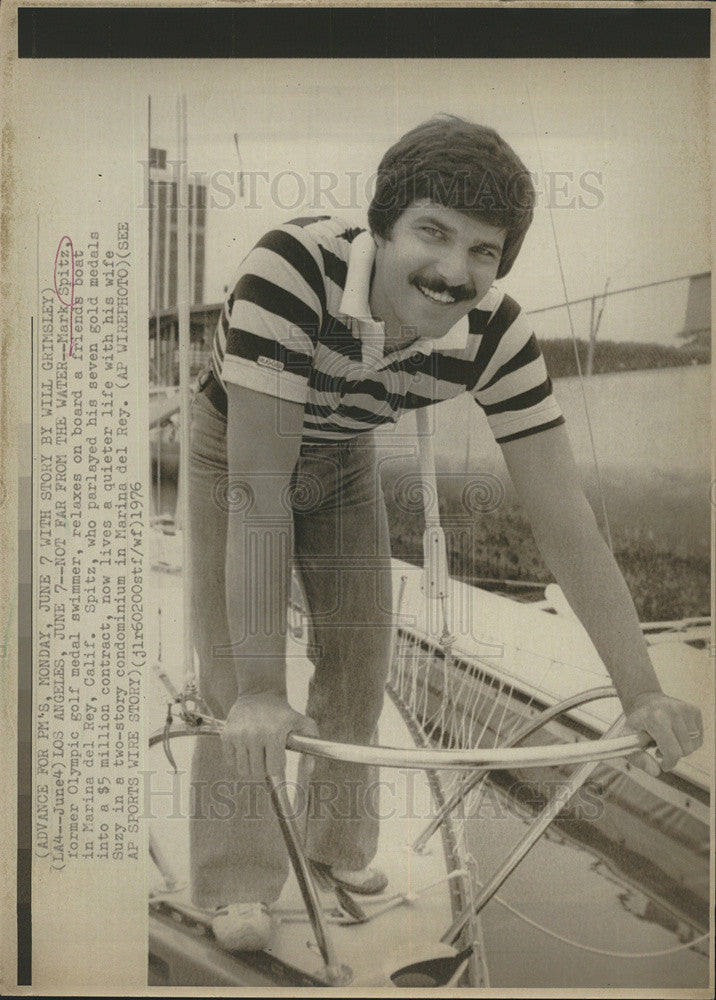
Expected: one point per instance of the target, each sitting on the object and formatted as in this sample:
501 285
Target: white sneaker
243 927
367 882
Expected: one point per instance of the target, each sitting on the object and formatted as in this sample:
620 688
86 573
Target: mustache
461 293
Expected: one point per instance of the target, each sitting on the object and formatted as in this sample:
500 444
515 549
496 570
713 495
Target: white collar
355 304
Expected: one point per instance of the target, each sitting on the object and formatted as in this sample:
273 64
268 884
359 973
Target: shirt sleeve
513 387
271 320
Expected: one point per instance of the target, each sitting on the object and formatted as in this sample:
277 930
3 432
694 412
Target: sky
620 149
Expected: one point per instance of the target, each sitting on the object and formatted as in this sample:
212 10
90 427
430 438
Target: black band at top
378 32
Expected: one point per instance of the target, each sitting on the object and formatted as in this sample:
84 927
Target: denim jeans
342 557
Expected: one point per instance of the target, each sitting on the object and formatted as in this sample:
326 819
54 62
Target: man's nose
454 267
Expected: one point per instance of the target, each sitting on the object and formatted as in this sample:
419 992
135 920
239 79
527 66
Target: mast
184 376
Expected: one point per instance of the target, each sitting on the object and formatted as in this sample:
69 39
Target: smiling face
436 265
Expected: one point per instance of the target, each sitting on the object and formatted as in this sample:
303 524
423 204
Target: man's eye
433 232
485 252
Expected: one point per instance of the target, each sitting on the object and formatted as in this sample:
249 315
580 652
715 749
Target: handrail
491 758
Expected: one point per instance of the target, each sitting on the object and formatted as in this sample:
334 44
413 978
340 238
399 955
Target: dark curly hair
459 165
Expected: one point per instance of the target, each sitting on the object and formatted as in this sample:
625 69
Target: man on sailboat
328 332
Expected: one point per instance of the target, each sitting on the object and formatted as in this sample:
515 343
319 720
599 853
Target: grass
499 546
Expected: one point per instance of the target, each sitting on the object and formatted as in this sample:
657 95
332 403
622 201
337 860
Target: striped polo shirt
297 325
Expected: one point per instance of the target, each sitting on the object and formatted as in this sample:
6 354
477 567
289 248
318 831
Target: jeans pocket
208 435
201 404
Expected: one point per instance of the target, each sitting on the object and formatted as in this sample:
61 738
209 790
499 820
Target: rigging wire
591 948
571 327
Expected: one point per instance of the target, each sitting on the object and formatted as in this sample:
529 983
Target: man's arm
545 476
262 452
